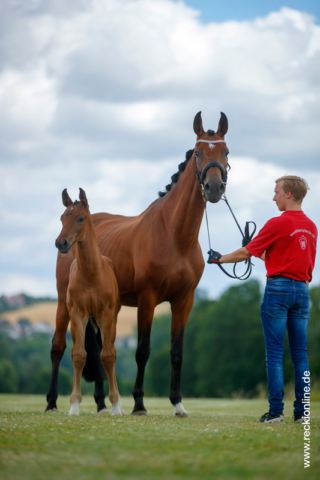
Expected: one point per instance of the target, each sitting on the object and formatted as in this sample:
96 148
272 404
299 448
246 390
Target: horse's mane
175 176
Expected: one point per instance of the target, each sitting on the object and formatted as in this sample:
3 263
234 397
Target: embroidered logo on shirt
303 242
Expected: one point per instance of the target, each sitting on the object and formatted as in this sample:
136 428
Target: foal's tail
93 370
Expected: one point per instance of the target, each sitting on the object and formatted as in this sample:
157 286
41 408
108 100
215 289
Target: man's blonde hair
296 185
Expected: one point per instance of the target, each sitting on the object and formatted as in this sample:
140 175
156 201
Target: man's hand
214 257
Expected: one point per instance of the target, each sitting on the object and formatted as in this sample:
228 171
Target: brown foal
92 294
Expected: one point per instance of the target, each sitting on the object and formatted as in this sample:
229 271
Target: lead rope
246 237
205 209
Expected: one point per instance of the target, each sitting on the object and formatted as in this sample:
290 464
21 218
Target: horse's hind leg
79 356
57 351
146 306
180 315
108 359
94 370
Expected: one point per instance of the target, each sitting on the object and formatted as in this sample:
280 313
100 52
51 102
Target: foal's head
74 221
206 152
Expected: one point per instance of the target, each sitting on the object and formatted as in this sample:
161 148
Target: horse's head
73 221
211 147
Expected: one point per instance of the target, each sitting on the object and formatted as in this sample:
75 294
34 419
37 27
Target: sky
102 94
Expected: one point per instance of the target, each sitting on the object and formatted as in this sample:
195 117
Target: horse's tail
93 370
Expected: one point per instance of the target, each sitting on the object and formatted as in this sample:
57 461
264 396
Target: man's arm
239 255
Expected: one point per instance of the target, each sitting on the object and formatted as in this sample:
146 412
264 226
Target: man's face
280 197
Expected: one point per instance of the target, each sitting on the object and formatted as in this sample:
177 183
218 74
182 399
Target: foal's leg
57 351
108 359
79 355
180 314
146 306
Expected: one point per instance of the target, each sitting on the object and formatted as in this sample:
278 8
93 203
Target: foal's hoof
104 411
117 410
140 413
51 410
74 409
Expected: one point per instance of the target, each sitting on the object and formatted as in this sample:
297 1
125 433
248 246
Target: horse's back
102 217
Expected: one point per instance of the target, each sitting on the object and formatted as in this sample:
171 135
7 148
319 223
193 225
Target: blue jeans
285 304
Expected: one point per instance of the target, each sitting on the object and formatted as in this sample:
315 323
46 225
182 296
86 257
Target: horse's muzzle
214 191
63 246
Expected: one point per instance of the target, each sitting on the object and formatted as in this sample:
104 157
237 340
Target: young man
287 244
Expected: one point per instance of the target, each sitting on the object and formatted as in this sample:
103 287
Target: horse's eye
227 153
80 220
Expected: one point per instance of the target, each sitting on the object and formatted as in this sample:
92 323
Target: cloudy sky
102 94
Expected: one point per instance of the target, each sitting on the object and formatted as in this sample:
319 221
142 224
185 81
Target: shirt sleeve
261 242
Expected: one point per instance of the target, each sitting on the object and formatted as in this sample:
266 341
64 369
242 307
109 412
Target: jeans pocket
277 303
304 305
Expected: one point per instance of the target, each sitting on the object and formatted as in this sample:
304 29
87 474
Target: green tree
314 334
9 378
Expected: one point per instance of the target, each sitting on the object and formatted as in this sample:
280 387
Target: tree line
224 352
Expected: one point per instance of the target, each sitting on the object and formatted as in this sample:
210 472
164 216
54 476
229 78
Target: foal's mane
175 176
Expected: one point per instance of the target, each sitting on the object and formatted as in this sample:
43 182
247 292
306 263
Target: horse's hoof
181 415
74 409
51 410
141 413
179 411
117 410
104 411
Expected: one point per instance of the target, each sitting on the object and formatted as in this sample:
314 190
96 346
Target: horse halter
200 178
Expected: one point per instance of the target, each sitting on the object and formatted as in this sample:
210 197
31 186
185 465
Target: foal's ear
83 198
197 125
66 200
223 125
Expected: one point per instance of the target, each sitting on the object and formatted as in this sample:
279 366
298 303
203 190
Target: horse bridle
247 237
201 177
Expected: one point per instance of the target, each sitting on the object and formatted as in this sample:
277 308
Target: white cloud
102 95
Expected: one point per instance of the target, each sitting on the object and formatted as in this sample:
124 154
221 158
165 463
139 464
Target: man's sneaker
268 418
298 418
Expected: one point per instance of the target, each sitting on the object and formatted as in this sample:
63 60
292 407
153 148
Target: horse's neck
184 206
88 253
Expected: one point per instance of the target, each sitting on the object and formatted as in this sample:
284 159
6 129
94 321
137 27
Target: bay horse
92 295
157 258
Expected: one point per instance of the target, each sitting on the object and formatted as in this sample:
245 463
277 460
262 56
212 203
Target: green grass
220 439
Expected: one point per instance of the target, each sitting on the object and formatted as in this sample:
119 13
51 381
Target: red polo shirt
290 243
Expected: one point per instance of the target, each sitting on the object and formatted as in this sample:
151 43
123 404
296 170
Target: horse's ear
197 125
83 197
66 200
223 125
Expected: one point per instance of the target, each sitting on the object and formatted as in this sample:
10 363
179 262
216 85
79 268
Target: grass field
220 439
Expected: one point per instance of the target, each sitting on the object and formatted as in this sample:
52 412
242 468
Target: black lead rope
246 236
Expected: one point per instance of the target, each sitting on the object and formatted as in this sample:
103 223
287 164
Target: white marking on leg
117 408
104 411
179 411
74 410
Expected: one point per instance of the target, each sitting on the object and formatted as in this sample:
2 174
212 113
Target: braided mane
175 176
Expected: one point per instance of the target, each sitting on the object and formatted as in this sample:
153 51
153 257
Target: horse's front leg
146 306
79 355
180 314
